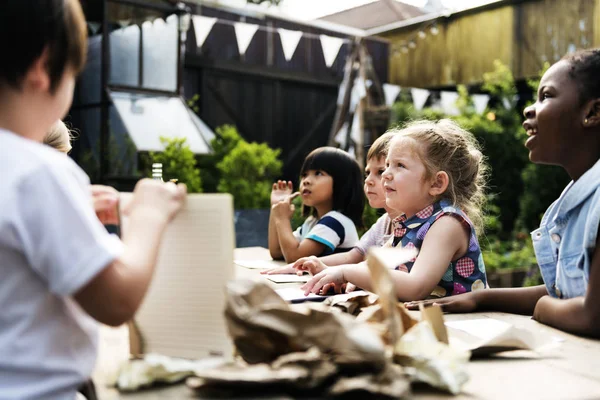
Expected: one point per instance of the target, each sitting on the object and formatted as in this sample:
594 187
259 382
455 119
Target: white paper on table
259 264
488 335
296 295
288 278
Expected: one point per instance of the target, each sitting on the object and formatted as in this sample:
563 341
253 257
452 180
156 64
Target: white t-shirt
377 235
51 245
335 230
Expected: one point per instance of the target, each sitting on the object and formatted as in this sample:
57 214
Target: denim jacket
565 241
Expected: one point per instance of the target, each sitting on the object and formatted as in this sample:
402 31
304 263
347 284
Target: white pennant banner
342 136
419 97
202 27
359 91
244 33
480 101
355 134
448 102
289 42
390 92
341 93
331 47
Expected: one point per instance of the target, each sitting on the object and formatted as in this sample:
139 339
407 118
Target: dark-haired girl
333 201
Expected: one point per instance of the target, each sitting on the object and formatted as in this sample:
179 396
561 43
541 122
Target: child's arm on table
579 315
115 294
314 265
445 241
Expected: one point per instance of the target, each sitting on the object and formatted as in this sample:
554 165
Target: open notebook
182 313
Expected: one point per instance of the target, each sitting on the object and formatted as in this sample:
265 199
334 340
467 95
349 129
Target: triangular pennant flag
331 47
202 27
390 92
359 91
341 93
94 27
352 152
289 41
419 97
355 134
244 33
480 101
448 102
342 136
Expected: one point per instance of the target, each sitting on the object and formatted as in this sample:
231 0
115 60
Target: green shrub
247 172
227 137
179 163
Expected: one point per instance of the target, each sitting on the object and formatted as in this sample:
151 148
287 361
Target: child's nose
386 174
529 112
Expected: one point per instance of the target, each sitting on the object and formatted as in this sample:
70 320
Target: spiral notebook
182 313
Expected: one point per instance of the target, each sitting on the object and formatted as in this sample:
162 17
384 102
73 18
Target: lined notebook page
182 313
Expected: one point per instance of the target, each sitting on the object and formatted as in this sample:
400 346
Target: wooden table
572 371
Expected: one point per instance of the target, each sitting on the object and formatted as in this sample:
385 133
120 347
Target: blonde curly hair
444 146
59 137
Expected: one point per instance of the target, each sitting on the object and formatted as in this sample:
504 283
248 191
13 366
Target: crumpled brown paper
306 370
264 327
299 347
422 347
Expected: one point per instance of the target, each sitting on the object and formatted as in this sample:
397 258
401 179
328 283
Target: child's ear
37 77
592 116
439 184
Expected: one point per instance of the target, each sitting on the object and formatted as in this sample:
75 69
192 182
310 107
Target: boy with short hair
60 269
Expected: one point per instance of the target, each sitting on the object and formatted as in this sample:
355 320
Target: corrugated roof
372 15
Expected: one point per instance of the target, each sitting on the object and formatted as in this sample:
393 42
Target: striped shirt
334 230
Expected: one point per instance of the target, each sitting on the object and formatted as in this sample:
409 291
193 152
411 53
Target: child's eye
545 96
380 172
317 173
400 165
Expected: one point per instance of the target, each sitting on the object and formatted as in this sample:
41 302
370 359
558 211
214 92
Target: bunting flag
202 27
355 133
342 136
341 93
244 33
508 103
390 92
289 42
480 101
359 91
94 27
419 97
448 102
331 48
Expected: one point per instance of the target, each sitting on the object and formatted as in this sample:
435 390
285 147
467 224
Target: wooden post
343 109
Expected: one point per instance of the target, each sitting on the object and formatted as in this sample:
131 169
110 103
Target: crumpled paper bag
422 347
155 368
306 370
264 327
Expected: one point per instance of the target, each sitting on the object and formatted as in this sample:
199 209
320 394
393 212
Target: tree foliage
179 163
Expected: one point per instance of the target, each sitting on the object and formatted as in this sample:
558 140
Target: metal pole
104 111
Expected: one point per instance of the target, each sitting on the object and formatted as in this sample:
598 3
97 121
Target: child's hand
284 209
286 269
311 264
324 281
350 287
165 199
281 191
462 303
106 204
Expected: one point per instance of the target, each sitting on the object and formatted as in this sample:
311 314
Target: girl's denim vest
565 241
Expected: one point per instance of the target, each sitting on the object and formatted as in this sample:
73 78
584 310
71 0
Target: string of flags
290 39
